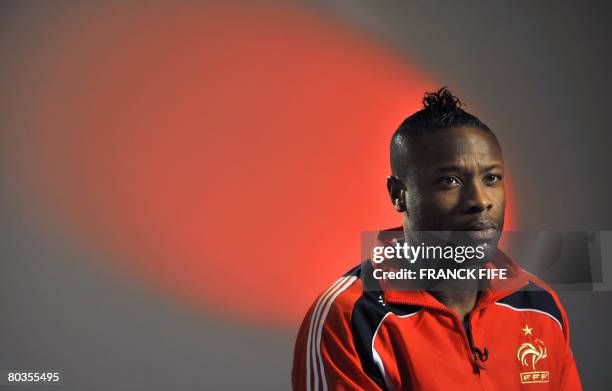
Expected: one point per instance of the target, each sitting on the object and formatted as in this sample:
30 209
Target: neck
461 298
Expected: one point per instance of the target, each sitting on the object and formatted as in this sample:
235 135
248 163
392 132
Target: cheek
499 205
444 202
434 209
499 197
431 201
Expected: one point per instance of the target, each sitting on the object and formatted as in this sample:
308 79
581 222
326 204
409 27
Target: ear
397 192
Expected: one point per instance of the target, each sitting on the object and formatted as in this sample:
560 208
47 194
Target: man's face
455 183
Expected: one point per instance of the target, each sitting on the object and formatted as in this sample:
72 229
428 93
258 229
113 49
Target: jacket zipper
466 333
473 352
477 354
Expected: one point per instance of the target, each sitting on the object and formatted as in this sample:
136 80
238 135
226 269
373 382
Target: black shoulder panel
533 297
368 313
356 271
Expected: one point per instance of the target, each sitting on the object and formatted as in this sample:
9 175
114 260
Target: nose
477 199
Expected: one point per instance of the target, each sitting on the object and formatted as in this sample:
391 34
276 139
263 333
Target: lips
481 231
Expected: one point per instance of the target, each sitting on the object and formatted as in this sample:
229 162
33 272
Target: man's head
447 171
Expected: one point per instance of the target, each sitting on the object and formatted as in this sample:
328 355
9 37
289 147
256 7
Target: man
498 334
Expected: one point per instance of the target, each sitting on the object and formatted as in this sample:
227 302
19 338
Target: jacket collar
494 290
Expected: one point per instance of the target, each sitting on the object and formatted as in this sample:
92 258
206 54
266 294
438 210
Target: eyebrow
491 167
454 167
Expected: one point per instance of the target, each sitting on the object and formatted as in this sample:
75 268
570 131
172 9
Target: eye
492 178
449 181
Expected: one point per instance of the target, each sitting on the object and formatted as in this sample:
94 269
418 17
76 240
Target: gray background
536 71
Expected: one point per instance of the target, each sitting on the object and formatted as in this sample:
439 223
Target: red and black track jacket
516 338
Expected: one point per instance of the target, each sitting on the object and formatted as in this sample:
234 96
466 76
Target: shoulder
328 319
537 297
336 303
350 307
343 302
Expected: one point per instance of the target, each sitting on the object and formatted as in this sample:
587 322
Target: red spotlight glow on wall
230 155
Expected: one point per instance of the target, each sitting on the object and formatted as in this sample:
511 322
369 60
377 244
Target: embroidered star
527 330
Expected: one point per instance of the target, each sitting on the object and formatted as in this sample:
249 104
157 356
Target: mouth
481 231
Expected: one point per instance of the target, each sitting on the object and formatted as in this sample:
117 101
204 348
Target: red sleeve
570 379
325 356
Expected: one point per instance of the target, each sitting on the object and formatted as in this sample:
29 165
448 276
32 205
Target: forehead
464 147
